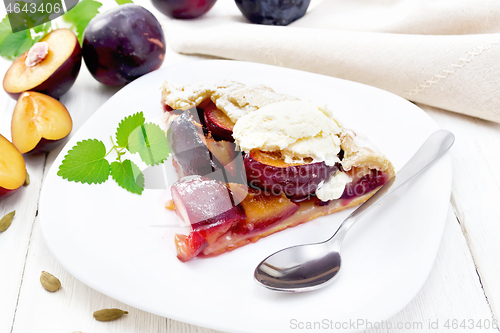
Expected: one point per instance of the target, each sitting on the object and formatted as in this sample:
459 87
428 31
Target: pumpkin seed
109 314
49 281
6 221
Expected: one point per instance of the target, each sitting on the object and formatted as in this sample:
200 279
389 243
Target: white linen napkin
444 53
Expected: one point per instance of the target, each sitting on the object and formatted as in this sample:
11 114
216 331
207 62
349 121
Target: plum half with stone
51 66
123 44
12 168
39 122
183 9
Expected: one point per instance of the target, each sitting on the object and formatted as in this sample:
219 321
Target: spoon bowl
312 266
299 268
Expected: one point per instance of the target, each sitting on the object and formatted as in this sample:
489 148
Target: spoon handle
430 151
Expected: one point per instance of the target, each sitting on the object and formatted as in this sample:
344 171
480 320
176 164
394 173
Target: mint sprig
86 161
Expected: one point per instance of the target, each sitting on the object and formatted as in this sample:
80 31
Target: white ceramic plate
121 244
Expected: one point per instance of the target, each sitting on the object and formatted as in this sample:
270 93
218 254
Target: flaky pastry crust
237 99
233 98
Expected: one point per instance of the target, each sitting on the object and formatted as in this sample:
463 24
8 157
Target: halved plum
57 59
39 122
12 168
268 171
218 123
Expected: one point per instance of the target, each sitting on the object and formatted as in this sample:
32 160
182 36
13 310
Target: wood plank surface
476 192
453 290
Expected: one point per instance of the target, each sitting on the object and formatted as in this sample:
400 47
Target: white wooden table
464 283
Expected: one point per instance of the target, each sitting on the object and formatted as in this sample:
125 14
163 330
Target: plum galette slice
253 162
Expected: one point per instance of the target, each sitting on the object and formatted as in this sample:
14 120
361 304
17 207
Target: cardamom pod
49 281
109 314
27 180
6 221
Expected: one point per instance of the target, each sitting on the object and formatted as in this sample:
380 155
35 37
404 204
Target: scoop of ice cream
296 128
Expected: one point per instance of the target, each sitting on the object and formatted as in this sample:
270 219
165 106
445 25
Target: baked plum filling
218 123
364 184
268 171
186 140
208 207
262 209
196 152
212 209
229 198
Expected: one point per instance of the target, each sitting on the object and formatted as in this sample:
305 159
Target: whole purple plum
183 9
273 12
123 44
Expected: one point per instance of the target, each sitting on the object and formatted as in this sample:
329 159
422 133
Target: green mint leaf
31 14
81 15
4 29
122 2
41 30
128 175
85 163
16 44
12 45
126 126
150 142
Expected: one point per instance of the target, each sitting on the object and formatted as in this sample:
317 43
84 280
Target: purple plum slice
188 148
218 123
268 171
207 205
365 183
